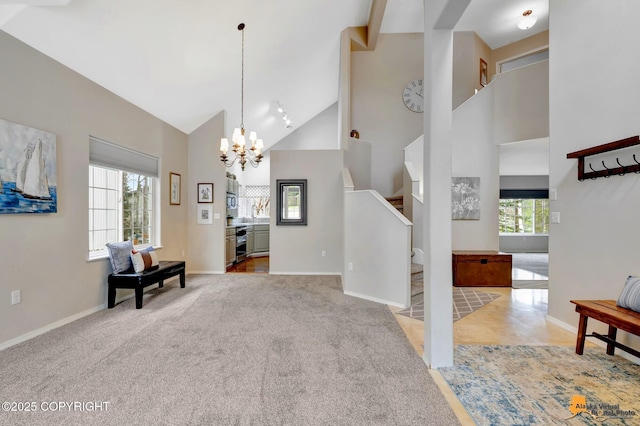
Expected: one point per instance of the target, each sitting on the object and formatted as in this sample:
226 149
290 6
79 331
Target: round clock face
412 95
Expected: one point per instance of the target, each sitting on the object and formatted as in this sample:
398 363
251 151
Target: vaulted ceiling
180 60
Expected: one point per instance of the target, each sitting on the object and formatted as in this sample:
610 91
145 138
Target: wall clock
412 95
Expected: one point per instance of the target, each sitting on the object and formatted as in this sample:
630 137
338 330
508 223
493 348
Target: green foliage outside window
524 216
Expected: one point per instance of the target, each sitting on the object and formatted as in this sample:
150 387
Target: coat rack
606 171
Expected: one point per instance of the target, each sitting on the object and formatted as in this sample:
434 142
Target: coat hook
594 171
624 168
608 169
634 159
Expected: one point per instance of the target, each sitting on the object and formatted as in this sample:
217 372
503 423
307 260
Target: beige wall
45 255
377 109
468 48
298 249
207 242
532 44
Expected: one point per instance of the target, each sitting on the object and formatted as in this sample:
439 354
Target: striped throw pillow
630 296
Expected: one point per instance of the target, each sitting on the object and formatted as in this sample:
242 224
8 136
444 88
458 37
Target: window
524 216
122 200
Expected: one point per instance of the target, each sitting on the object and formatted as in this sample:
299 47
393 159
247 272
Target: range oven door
241 244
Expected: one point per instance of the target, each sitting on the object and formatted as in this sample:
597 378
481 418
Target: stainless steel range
241 243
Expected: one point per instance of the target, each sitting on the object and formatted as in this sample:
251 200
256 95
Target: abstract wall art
465 198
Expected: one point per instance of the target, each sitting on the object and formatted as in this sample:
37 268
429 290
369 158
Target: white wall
476 155
321 132
45 255
298 249
594 247
377 109
378 249
207 242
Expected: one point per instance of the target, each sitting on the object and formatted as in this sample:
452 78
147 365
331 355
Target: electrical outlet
15 297
350 266
324 253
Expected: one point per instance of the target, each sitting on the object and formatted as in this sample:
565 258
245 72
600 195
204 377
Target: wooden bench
609 313
139 280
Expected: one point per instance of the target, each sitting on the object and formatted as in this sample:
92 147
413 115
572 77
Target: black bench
139 280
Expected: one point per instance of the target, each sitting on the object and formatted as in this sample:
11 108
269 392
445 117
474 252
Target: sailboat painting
27 170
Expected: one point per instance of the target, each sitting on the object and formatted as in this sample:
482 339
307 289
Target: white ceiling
180 60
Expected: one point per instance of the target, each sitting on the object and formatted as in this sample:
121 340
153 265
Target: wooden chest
481 269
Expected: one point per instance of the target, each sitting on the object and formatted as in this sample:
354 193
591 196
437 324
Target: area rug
465 301
545 385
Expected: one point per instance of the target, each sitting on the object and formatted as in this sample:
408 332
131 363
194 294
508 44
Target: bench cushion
630 296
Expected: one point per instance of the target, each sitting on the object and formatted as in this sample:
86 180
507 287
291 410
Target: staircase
396 202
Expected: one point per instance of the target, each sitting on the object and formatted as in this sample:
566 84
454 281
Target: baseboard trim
574 330
337 274
35 333
52 326
375 299
205 272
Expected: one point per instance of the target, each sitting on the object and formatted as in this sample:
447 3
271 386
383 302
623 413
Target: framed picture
465 198
205 193
205 215
174 188
28 174
483 72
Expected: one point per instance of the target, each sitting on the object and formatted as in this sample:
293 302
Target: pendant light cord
241 28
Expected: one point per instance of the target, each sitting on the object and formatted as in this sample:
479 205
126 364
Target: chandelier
253 155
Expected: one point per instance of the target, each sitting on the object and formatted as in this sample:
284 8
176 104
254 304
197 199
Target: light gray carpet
538 263
228 350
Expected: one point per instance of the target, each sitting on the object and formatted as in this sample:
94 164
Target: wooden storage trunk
481 269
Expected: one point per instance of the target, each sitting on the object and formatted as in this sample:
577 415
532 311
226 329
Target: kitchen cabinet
250 245
230 246
260 238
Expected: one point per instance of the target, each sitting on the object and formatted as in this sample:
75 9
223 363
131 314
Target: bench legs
582 334
612 336
111 296
182 279
139 291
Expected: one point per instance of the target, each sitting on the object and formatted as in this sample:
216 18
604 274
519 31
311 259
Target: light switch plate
553 194
216 215
555 217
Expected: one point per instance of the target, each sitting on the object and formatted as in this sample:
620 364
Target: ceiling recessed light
528 21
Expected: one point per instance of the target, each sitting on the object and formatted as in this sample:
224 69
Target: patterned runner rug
465 301
544 385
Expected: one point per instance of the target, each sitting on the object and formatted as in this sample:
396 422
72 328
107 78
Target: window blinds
107 154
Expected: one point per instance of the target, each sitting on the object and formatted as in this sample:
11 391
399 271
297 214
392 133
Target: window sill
521 234
100 255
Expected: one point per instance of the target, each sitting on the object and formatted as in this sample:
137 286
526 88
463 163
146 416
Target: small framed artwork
483 72
205 215
205 193
174 189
